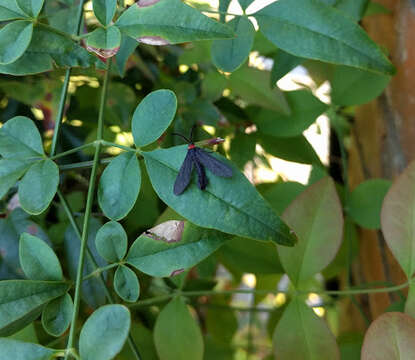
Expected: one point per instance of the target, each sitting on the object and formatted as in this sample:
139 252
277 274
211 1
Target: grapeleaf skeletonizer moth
198 158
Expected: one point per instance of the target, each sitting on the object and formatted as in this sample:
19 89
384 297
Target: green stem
347 292
83 164
126 148
64 92
72 151
99 270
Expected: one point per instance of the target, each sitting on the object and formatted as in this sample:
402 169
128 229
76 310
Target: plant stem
83 164
126 148
72 151
99 270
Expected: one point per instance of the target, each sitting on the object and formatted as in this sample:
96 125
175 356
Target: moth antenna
191 132
182 136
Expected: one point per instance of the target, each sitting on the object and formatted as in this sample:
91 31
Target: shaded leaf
283 64
104 10
390 337
169 21
366 200
397 222
10 172
302 335
316 218
21 301
38 187
9 10
31 7
104 333
172 247
38 260
23 350
111 242
307 28
281 194
153 116
228 55
176 334
57 315
223 208
119 186
126 284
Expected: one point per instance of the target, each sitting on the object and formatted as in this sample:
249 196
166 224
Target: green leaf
127 48
250 256
390 337
283 64
31 7
228 55
21 301
15 38
365 202
281 194
248 83
23 350
38 187
242 149
350 86
311 29
317 220
302 335
169 21
111 242
221 322
172 247
104 333
57 315
245 3
119 186
104 42
296 149
10 172
30 63
374 8
20 139
353 8
9 10
305 108
38 260
397 222
153 116
176 334
213 85
143 338
221 205
126 284
104 10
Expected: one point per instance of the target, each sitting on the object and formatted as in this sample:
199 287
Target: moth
199 159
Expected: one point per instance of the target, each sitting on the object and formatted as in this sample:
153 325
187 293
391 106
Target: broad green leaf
14 39
10 172
172 247
111 242
374 8
250 84
21 301
242 149
104 42
305 108
365 202
57 315
221 205
283 64
281 194
353 8
9 10
245 3
119 186
30 63
350 345
316 218
244 255
213 85
143 338
93 291
221 322
104 333
127 48
31 7
390 337
23 350
296 149
153 116
350 86
228 55
169 21
126 284
310 29
104 10
38 260
20 139
302 335
38 187
409 306
397 220
176 334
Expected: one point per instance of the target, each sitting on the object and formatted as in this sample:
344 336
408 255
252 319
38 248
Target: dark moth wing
202 180
185 174
214 165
